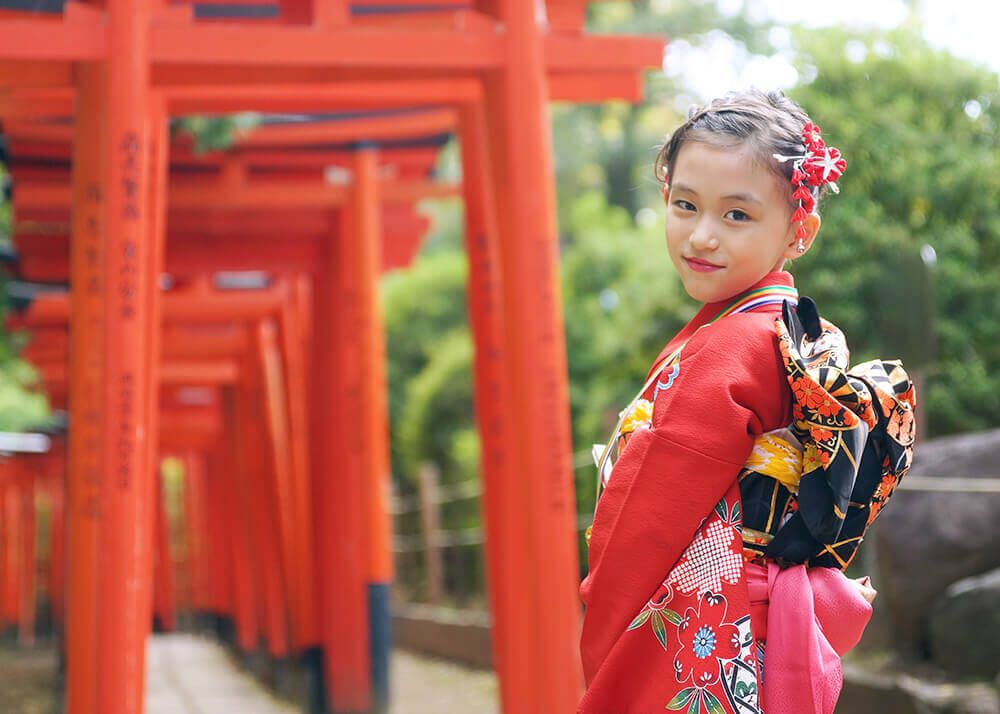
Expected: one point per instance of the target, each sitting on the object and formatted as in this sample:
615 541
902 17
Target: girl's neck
780 278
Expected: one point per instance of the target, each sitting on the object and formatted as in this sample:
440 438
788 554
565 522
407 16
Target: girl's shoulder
742 337
728 382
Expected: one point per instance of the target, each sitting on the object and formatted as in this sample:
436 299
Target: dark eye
684 205
738 215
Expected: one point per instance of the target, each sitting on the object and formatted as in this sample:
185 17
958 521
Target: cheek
673 243
674 230
781 221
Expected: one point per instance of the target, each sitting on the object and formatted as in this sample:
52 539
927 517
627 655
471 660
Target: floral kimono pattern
806 494
696 617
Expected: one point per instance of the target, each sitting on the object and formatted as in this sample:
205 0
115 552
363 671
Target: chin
709 293
700 292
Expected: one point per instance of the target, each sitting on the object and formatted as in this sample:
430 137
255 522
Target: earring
801 247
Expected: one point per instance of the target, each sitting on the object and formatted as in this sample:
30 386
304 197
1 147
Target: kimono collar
773 289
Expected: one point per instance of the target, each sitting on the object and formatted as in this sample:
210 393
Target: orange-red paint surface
288 482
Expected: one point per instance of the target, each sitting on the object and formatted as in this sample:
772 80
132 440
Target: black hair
767 122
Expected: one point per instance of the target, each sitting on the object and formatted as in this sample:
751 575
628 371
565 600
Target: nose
703 236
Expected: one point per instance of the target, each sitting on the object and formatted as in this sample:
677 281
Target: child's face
728 221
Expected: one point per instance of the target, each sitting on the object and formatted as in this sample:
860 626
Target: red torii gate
41 194
177 430
283 405
23 478
225 215
33 263
515 306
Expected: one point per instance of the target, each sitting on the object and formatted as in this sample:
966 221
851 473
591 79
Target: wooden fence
428 545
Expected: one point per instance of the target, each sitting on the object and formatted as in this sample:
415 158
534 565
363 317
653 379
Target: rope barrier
950 484
472 489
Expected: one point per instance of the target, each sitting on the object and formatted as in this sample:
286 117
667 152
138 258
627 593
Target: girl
751 463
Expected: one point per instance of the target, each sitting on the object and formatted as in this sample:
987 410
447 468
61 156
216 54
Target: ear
811 224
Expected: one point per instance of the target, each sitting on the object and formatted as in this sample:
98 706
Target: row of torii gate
273 392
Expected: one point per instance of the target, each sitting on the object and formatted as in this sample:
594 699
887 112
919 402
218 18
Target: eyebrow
749 197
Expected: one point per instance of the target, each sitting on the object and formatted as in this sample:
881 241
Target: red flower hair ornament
818 165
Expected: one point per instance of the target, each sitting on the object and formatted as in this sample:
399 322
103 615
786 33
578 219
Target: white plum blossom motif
708 561
828 162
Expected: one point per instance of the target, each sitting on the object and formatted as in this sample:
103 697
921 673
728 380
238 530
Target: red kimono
669 481
668 611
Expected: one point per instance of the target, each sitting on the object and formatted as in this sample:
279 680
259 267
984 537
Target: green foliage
436 407
430 392
446 221
918 127
22 406
421 305
214 133
622 303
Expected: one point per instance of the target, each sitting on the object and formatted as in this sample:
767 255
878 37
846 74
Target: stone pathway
421 685
187 674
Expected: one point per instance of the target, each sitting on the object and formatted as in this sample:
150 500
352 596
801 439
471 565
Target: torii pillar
528 498
350 432
115 270
86 394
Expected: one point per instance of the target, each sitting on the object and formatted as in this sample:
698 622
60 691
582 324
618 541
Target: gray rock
893 692
965 627
865 691
927 540
948 698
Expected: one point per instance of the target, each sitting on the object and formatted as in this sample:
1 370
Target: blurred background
907 264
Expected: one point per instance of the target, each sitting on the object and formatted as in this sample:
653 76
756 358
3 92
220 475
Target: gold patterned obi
809 492
769 480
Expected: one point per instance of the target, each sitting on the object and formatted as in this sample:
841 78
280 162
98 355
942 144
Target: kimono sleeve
730 387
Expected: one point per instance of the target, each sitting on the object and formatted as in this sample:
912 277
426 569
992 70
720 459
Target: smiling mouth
701 266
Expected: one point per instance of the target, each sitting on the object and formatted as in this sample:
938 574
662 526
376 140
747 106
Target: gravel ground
28 680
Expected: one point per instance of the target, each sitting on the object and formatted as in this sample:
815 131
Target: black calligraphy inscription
552 371
489 395
92 360
128 276
125 445
125 297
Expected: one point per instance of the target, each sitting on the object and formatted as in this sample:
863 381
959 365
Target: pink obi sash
810 618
